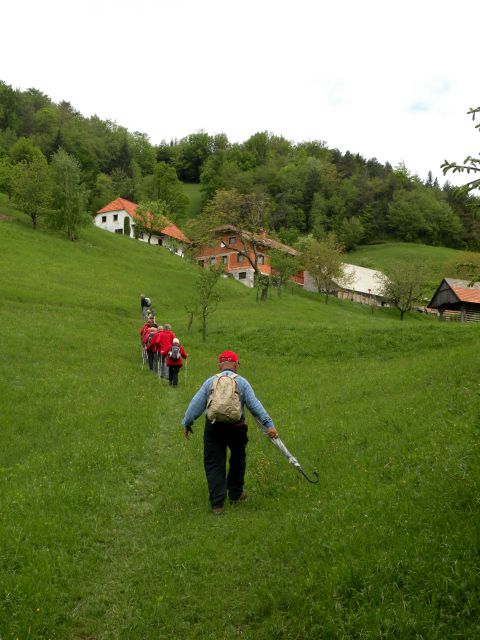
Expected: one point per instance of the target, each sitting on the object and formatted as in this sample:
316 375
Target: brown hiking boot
243 496
218 511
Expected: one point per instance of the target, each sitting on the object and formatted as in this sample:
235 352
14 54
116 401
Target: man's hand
187 432
272 432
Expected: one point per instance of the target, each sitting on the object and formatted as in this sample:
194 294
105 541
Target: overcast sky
390 80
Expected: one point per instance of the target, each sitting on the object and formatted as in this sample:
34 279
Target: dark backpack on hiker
174 352
147 301
150 338
224 404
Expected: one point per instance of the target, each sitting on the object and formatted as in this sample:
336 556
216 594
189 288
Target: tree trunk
190 320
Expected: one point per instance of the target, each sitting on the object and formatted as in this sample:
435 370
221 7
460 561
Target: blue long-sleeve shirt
198 403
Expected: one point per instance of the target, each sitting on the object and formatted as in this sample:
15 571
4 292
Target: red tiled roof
120 204
467 294
268 243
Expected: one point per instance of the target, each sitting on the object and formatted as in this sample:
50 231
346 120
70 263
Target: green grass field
105 527
192 191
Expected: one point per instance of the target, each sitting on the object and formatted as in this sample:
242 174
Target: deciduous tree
324 262
284 266
31 188
69 195
247 214
403 286
208 298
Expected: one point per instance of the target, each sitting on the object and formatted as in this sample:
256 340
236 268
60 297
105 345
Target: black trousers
152 360
173 374
219 437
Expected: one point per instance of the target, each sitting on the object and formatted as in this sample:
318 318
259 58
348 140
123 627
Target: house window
261 259
213 261
140 235
160 242
104 218
242 275
201 263
115 217
232 240
120 231
240 259
224 259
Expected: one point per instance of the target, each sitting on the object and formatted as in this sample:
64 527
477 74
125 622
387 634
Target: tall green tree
423 215
31 188
24 150
193 151
350 232
69 195
164 185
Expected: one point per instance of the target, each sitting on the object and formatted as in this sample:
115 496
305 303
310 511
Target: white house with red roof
112 218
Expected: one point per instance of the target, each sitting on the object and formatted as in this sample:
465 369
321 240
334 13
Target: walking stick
289 456
293 461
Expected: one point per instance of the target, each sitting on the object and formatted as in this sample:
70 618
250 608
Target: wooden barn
456 300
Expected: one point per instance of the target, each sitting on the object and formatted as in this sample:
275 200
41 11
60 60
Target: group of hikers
161 349
222 398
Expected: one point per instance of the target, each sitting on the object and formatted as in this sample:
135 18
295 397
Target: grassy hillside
105 526
192 191
439 262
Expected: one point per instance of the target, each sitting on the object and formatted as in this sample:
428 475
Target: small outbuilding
358 284
455 299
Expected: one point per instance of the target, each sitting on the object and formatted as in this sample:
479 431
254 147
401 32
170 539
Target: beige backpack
224 403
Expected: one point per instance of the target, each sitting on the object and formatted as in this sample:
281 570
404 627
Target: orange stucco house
230 241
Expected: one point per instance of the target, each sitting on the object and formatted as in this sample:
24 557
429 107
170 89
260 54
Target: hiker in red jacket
149 342
174 361
163 344
144 330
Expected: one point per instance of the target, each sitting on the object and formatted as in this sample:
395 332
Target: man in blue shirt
219 436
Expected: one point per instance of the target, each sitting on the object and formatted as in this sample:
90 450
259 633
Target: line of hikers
222 398
162 350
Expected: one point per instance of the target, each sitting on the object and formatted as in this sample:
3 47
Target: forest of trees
310 189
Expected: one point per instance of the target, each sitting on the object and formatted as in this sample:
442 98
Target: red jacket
144 331
176 363
145 339
163 341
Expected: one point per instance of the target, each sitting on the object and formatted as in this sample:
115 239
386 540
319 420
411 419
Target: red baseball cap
228 356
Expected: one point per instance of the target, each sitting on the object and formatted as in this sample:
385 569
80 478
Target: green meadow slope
438 262
105 526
